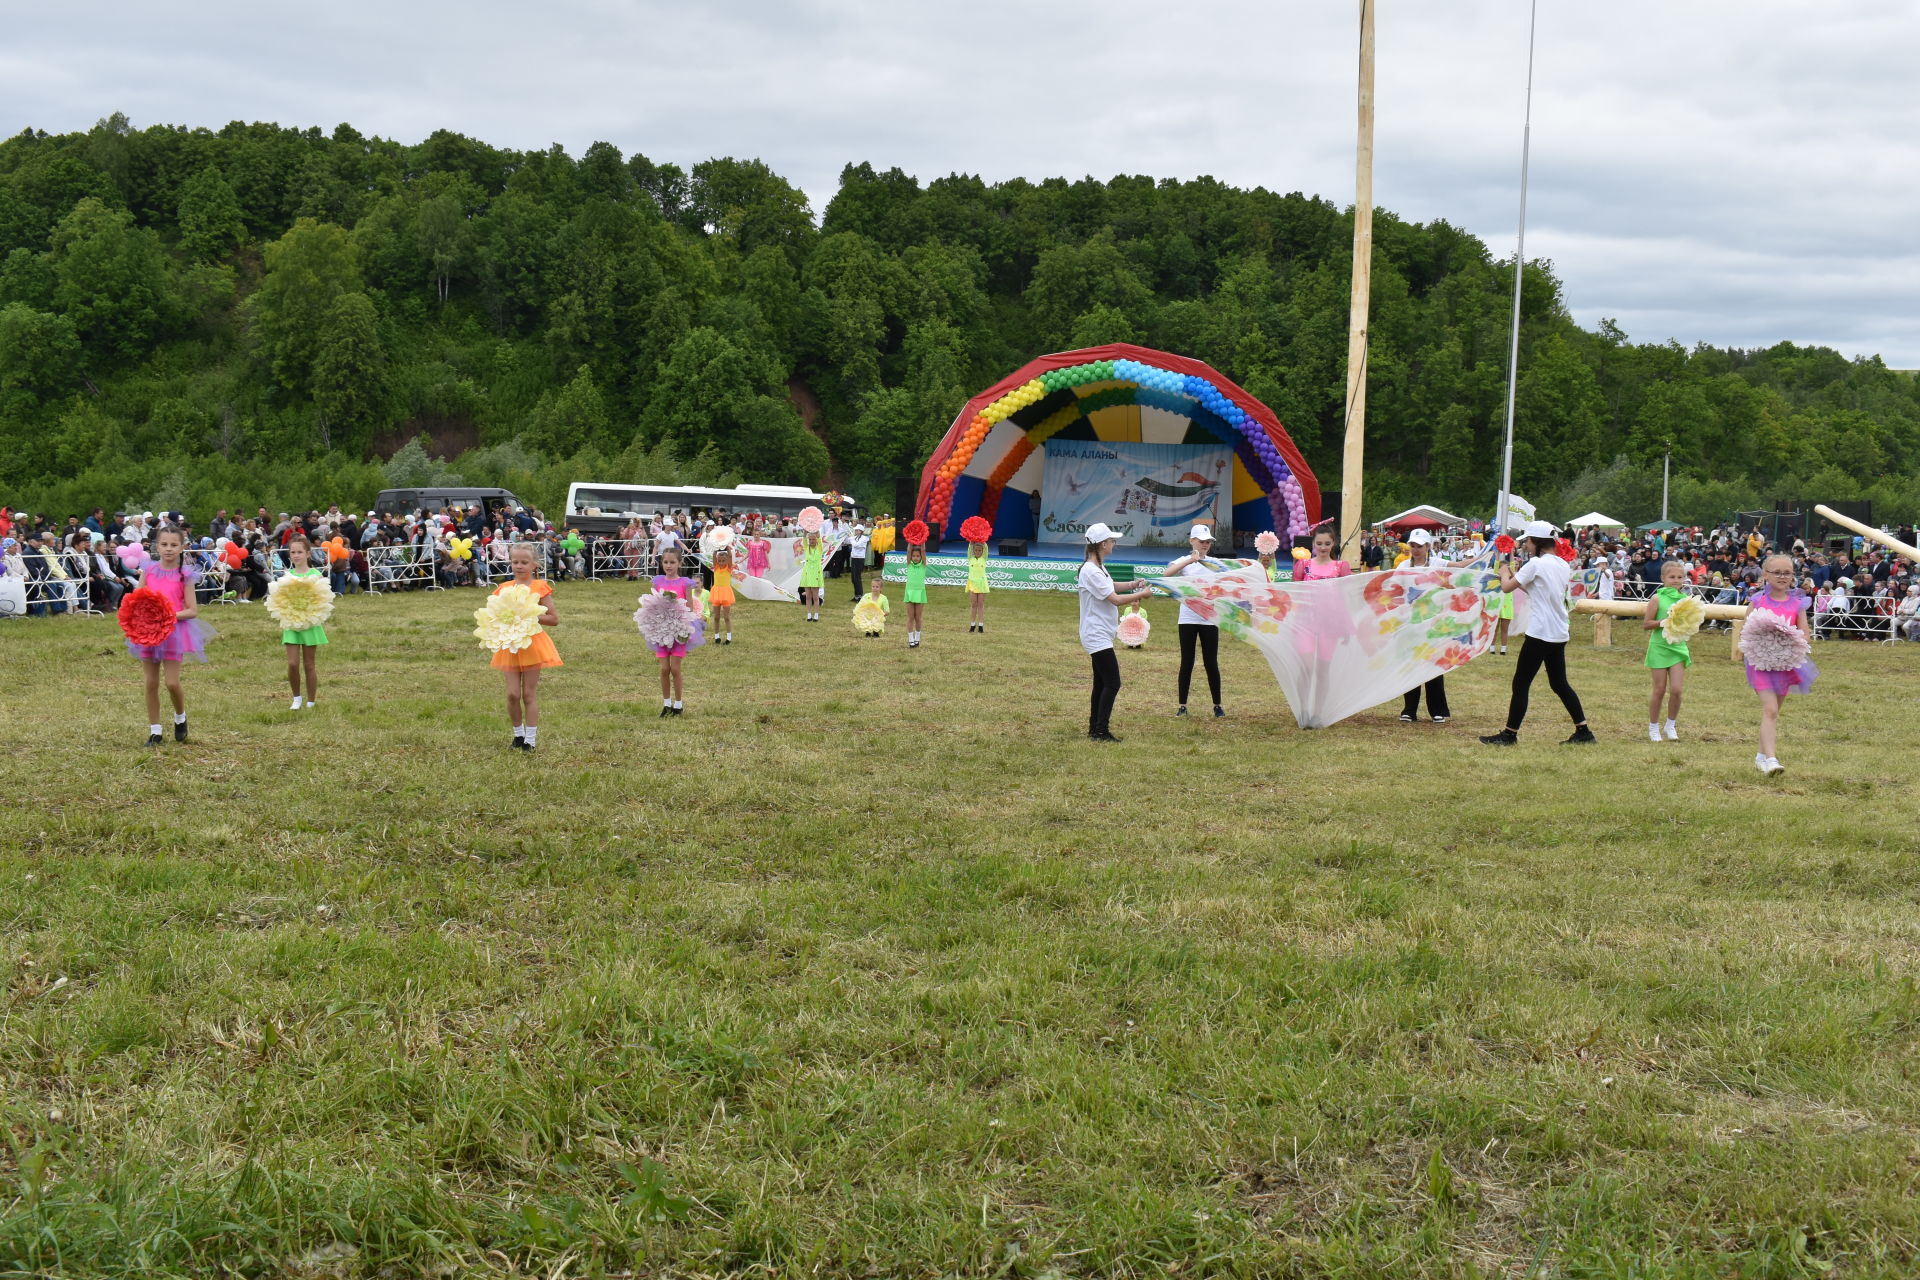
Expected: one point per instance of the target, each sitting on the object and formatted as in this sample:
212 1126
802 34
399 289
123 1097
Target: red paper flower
146 616
1565 551
1504 544
974 529
915 533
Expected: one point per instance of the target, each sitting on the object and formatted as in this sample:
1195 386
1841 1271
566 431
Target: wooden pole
1870 533
1735 615
1354 459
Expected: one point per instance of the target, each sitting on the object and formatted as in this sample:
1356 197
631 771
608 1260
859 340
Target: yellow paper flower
1683 620
868 616
509 620
299 604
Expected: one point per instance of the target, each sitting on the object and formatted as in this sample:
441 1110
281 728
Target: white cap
1200 533
1097 532
1540 529
1420 537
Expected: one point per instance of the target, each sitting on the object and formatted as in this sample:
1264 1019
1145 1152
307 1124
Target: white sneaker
1759 762
1673 732
311 704
1772 766
298 703
1653 733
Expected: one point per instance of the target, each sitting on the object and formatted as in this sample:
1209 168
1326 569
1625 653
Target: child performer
1545 579
166 575
1322 565
1779 598
977 587
303 647
1666 660
813 578
720 598
870 614
916 591
1419 556
1100 606
522 670
672 685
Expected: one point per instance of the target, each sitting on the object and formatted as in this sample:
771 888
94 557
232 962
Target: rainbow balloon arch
1120 393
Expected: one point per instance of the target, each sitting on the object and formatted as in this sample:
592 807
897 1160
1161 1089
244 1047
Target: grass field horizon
872 965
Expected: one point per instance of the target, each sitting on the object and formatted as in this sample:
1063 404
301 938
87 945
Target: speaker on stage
1013 546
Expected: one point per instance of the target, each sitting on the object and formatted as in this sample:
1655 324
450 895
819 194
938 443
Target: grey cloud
1733 173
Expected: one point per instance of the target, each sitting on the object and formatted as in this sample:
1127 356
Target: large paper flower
869 616
663 619
146 616
810 519
299 604
1301 553
1683 621
1771 642
1266 542
508 620
1504 544
1133 630
720 538
915 533
976 529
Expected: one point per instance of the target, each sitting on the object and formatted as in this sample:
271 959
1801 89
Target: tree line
194 317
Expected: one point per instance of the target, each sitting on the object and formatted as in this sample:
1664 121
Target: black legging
1209 637
1436 699
1534 654
1106 687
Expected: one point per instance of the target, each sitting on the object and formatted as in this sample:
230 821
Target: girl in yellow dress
720 598
522 670
977 586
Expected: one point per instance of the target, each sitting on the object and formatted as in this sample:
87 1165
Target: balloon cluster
459 548
337 549
572 543
132 556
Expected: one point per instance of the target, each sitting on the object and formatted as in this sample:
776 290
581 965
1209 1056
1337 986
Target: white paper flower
299 604
509 620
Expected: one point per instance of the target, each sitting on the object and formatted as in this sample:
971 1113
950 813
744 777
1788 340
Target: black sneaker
679 711
155 739
1104 736
1504 738
1406 717
515 744
1182 711
1219 712
1581 736
1436 719
180 731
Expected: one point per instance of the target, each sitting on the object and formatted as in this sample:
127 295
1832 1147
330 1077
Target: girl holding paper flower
302 642
522 669
1777 641
162 626
1668 656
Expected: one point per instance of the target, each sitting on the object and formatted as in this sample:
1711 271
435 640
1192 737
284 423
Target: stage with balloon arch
1144 441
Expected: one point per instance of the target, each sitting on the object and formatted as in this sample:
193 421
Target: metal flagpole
1353 458
1519 266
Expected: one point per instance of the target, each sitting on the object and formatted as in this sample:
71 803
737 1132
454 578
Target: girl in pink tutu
161 662
757 556
672 685
1773 686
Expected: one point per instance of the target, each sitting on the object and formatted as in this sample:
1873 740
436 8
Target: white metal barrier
407 567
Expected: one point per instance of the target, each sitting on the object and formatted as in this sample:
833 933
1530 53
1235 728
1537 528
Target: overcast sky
1702 170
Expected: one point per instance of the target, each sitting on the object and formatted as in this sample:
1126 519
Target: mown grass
870 966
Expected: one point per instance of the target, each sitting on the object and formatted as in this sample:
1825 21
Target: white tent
1422 515
1594 520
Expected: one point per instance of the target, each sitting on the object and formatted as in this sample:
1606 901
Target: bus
604 508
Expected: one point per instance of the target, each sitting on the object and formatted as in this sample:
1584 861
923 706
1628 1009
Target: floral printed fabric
1340 645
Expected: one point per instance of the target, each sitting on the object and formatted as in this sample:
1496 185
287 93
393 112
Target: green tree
211 223
308 269
1558 418
567 421
349 376
111 279
39 359
1071 280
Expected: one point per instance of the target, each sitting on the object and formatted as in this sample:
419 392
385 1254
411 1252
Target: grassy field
871 966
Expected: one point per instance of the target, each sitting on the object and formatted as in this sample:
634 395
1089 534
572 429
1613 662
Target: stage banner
1150 494
1014 574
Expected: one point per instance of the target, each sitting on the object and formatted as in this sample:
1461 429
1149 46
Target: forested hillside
263 314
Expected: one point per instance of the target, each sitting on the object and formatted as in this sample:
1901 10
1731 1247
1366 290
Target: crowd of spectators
88 563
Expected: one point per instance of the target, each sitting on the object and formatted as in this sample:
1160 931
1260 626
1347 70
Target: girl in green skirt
1667 660
303 647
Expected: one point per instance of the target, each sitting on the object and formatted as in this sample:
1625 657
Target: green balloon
571 543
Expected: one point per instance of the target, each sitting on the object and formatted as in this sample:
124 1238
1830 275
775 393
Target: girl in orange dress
720 599
522 670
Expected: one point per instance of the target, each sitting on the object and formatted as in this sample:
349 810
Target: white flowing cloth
782 579
1340 645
